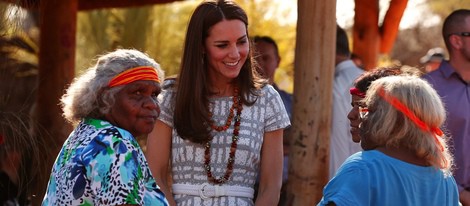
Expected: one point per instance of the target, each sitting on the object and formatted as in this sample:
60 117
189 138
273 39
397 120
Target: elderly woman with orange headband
101 162
405 159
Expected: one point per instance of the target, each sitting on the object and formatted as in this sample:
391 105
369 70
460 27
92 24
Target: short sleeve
350 186
276 114
166 101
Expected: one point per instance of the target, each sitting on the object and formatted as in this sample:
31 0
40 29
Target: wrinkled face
135 108
226 48
267 59
366 141
354 118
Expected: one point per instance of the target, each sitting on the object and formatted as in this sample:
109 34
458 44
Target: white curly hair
89 95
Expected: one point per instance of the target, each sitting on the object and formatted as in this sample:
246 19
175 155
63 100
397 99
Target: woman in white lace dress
221 125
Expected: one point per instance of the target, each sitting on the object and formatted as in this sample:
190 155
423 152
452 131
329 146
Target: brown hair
191 115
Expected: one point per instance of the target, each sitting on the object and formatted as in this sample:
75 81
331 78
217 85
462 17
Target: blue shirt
101 164
373 178
455 93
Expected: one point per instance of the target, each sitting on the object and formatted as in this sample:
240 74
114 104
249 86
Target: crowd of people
218 132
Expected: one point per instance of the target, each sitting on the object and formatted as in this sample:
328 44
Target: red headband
134 74
356 91
408 113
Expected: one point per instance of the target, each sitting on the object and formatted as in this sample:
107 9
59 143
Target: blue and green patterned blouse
101 164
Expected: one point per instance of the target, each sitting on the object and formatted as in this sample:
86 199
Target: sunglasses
363 112
465 34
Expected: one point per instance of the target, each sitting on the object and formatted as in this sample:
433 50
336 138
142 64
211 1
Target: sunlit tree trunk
56 70
366 36
314 67
370 39
390 26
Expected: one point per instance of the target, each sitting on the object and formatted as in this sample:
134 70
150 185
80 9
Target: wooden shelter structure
314 68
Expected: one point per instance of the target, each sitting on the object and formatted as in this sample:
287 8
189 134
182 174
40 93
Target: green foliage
444 7
105 30
168 30
3 20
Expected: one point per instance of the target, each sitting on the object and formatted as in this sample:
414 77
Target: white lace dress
187 158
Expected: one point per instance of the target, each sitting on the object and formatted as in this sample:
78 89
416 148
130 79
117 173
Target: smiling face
135 108
354 118
226 48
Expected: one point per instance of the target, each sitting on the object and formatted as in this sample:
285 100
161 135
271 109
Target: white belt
207 190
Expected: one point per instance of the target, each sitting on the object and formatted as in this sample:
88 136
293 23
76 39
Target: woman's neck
404 155
222 90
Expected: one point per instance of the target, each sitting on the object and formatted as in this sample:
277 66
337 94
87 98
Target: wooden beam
106 4
313 87
58 26
84 5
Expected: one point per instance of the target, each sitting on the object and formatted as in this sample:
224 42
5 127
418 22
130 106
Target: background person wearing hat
432 59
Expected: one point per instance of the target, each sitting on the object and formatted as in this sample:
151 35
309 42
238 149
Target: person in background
432 59
268 59
346 72
267 56
357 60
406 160
361 85
221 124
101 162
452 82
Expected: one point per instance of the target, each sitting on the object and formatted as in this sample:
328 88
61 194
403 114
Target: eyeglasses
363 112
465 34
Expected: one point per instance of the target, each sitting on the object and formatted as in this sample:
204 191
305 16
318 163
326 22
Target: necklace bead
233 146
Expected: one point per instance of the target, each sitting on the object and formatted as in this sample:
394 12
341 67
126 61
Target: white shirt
341 144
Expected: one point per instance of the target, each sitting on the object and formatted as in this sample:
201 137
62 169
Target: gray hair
386 126
89 95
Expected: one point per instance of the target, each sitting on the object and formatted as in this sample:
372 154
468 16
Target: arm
464 197
158 156
271 168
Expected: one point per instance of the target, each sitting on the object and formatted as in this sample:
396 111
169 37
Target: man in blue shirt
267 56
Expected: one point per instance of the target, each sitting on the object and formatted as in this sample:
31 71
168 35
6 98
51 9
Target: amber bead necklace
233 147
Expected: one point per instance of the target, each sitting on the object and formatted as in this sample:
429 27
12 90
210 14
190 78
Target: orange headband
134 74
403 109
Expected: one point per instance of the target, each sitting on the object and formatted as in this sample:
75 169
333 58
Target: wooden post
313 83
56 70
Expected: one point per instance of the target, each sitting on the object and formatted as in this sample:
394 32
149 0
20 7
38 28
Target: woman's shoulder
169 83
105 131
266 90
168 91
362 160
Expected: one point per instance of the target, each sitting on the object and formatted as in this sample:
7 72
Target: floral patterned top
101 164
